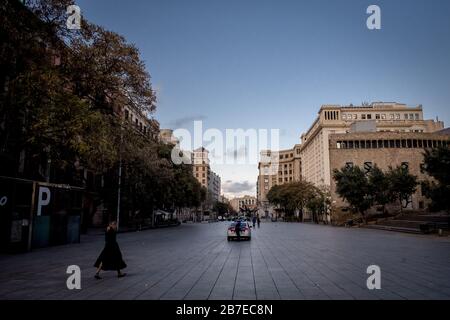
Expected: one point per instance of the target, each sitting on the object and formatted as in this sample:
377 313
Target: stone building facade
383 149
276 168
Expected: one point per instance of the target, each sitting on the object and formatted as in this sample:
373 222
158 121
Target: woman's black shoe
97 277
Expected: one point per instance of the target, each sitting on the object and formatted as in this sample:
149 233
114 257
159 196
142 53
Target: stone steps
392 228
409 223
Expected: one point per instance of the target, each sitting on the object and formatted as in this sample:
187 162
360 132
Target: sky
271 64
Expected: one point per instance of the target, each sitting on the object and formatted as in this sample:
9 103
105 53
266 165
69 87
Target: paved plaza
282 261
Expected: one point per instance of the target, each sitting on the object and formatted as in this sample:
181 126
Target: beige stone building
240 202
200 166
311 159
383 149
203 173
279 167
335 119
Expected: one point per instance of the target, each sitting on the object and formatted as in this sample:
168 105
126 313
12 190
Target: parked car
246 232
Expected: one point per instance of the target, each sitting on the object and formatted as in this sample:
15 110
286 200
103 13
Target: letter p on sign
44 199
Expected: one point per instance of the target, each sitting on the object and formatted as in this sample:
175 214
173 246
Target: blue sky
271 64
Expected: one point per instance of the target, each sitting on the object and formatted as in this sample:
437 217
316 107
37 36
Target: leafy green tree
402 185
292 197
437 164
353 186
222 208
319 203
379 187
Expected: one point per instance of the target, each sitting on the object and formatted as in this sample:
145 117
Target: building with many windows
247 201
384 150
203 173
335 119
312 161
277 168
214 186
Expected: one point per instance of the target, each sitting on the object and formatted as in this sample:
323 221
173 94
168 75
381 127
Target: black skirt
110 258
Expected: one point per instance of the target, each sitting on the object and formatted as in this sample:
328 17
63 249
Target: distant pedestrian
254 221
258 220
110 258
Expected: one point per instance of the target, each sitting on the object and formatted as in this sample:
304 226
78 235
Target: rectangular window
406 116
420 143
374 144
414 142
391 116
409 143
355 116
344 117
362 144
392 143
363 117
411 116
377 116
386 143
369 117
416 116
383 116
350 144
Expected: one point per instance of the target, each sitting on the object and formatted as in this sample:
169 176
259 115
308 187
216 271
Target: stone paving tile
282 261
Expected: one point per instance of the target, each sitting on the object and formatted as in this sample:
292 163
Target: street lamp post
118 192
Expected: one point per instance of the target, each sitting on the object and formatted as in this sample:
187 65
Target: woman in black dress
110 258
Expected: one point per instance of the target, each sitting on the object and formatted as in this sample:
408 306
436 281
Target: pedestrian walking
258 220
110 258
254 221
